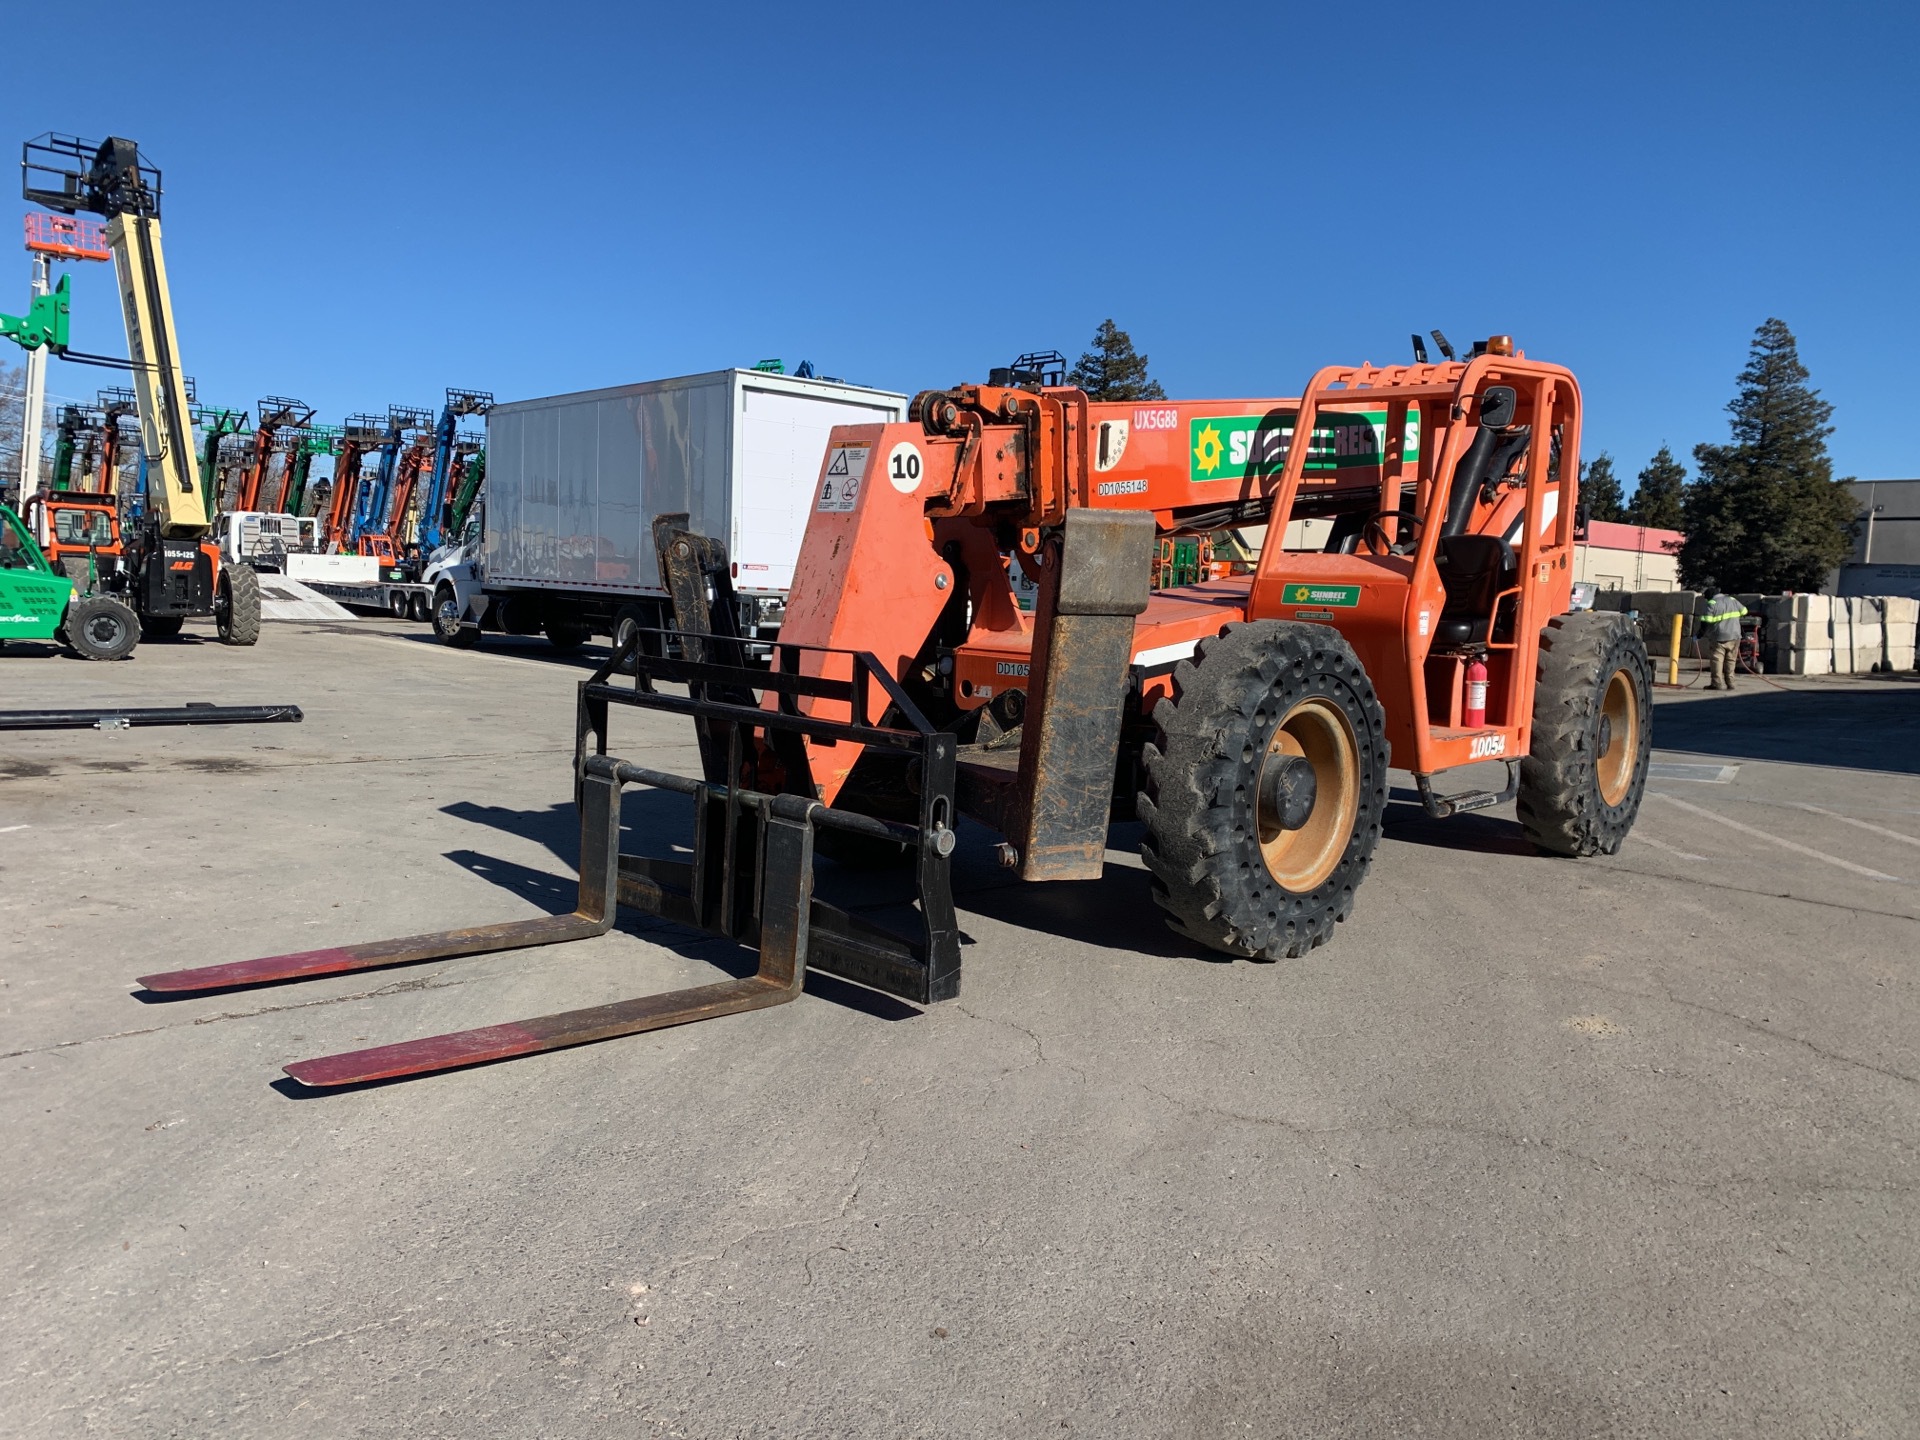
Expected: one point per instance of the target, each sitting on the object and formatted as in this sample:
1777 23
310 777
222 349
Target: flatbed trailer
357 582
402 599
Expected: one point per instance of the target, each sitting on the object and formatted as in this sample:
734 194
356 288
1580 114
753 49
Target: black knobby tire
101 628
1586 767
566 635
1225 872
161 627
236 605
446 620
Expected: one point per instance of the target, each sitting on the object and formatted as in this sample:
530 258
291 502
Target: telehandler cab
1411 601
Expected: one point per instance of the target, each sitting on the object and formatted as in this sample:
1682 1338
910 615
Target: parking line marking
1705 774
1670 849
1799 849
1849 820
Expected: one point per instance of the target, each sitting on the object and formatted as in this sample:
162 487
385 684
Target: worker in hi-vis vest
1720 626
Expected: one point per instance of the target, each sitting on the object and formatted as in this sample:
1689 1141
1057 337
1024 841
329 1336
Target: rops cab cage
750 875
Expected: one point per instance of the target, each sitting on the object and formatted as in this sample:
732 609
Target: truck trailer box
574 481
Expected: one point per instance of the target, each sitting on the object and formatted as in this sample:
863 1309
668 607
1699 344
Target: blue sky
367 204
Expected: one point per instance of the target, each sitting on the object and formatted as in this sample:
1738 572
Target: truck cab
264 539
455 576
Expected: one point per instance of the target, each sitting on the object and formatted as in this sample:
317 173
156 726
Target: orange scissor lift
1421 539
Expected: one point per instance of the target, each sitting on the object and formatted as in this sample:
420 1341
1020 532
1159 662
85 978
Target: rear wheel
1586 768
418 607
446 621
102 628
1266 789
627 621
397 604
236 605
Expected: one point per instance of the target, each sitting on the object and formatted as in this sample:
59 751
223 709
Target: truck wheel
397 604
417 606
1266 790
626 620
1586 769
161 627
236 605
566 635
446 621
102 628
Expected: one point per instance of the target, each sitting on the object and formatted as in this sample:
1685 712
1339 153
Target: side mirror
1498 405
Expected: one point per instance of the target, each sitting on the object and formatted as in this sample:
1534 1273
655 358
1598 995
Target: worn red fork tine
781 976
599 866
444 945
547 1032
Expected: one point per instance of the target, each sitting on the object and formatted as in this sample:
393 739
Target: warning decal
846 466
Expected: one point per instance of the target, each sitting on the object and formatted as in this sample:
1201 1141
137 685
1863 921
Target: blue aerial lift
371 514
433 509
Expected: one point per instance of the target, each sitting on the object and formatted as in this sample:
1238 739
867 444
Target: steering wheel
1374 533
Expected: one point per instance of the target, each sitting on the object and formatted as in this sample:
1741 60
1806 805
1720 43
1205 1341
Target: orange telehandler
1412 601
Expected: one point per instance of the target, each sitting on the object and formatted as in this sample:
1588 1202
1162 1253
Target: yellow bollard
1673 650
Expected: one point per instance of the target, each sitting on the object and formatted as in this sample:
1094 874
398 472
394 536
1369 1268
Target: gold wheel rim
1614 765
1318 731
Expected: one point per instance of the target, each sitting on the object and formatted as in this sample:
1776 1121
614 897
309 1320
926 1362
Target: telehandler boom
172 566
1411 602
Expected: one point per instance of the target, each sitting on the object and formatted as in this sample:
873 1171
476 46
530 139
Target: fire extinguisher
1476 712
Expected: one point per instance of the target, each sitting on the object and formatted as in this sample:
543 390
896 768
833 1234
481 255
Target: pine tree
1112 371
1600 489
1656 503
1765 514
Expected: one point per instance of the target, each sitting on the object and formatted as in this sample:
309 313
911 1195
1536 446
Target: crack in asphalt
1756 1026
1719 885
397 987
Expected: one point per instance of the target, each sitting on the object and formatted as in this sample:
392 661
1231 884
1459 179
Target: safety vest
1721 619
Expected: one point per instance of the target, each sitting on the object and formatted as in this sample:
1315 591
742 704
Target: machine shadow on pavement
518 647
1114 912
1479 832
666 823
1851 729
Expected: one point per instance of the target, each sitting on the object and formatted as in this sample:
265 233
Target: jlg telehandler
168 565
1411 602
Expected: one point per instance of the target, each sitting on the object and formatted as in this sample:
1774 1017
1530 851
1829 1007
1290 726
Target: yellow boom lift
172 566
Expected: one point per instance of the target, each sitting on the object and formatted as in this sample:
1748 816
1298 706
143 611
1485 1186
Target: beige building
1628 557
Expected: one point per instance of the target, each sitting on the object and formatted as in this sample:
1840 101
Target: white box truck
562 542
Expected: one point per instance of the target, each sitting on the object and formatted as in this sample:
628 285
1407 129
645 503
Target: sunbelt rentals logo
1227 447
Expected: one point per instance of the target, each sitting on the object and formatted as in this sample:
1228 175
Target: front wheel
447 618
1586 766
102 628
236 605
1266 789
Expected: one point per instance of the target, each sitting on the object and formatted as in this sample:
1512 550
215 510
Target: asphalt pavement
1534 1148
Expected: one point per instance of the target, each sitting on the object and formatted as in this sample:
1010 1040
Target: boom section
174 492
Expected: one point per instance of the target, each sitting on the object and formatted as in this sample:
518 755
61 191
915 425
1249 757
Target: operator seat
1474 569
